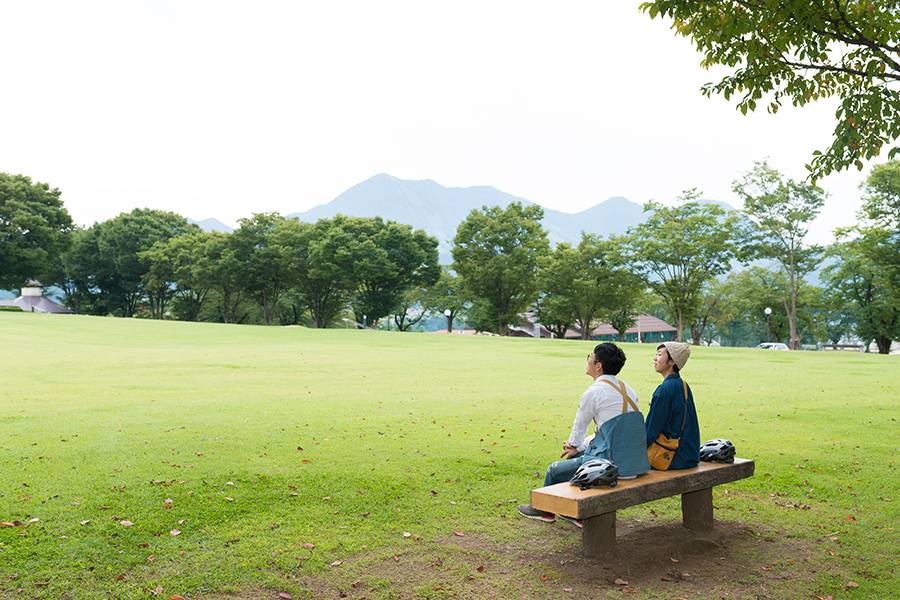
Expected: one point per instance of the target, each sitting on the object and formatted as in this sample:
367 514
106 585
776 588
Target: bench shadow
734 559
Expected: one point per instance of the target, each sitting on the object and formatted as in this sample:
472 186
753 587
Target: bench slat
566 499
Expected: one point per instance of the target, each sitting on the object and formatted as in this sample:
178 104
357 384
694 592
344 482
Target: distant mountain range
438 210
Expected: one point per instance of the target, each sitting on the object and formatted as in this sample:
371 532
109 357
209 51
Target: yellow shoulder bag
661 452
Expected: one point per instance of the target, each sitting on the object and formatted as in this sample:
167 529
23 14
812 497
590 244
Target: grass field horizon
298 460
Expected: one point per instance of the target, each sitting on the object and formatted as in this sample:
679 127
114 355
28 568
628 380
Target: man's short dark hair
611 357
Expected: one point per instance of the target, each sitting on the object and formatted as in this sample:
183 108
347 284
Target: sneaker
576 522
526 510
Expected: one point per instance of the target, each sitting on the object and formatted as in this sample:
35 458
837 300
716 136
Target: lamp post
768 312
449 314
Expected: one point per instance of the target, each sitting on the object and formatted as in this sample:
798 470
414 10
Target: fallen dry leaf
306 460
157 590
7 524
309 546
284 596
125 523
229 499
168 503
619 581
851 585
85 522
356 584
337 563
396 558
545 577
459 534
176 597
151 558
851 518
175 532
567 589
674 560
407 534
480 568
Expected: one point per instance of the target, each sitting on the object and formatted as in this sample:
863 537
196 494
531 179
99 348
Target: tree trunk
884 344
679 336
450 323
696 334
792 321
791 310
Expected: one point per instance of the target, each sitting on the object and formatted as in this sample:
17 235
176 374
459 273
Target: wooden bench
596 507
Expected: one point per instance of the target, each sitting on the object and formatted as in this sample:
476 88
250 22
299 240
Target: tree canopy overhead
800 51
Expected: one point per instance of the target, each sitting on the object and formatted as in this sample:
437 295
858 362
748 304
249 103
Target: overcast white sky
220 109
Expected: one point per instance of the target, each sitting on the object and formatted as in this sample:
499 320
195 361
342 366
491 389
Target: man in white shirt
607 401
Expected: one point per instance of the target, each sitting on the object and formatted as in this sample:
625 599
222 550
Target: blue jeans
562 470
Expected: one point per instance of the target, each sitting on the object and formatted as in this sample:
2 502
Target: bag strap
684 416
626 399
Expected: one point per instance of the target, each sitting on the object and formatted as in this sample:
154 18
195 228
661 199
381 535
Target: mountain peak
426 204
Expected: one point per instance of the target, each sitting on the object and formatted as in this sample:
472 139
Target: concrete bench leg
697 510
598 536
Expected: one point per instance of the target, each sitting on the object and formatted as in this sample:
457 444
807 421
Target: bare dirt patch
654 561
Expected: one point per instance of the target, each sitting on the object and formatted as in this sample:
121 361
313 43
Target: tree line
683 264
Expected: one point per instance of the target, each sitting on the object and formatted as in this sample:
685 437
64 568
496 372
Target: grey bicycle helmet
596 473
717 450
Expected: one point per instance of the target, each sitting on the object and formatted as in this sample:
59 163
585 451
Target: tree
866 273
711 299
623 291
322 265
221 270
881 202
496 252
35 230
587 284
386 259
803 51
104 267
558 272
739 318
866 268
446 297
180 269
782 209
80 277
681 248
264 266
411 308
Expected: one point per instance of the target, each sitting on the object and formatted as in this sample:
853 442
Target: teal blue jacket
665 416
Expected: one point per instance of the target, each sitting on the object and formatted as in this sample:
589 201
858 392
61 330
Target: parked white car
773 346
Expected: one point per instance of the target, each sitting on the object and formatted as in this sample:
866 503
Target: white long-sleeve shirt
599 403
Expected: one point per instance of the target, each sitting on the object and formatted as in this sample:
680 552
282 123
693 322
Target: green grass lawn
286 450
